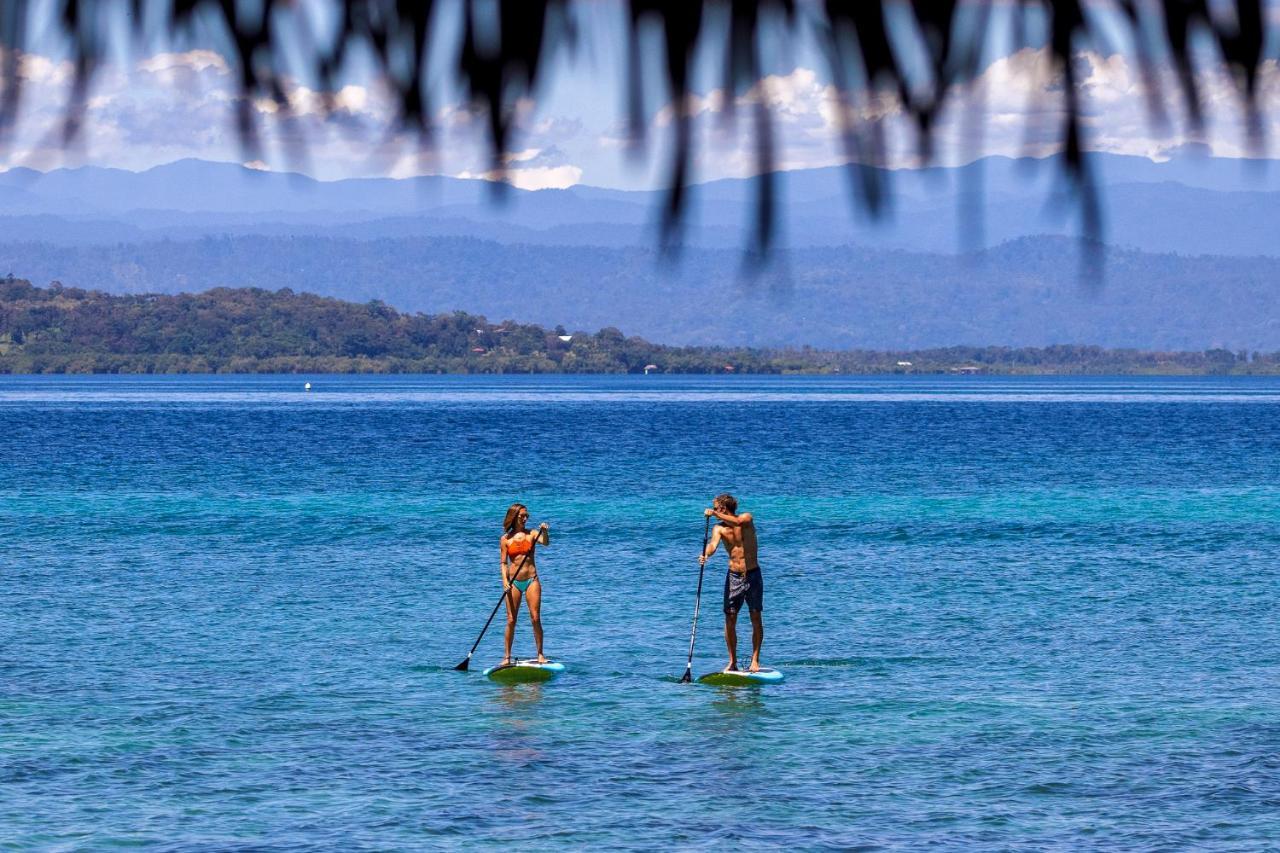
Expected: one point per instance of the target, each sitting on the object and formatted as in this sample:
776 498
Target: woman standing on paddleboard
520 574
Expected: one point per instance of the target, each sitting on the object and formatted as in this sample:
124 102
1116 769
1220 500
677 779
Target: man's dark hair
729 502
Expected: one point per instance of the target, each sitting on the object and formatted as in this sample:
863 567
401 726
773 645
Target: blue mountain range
979 254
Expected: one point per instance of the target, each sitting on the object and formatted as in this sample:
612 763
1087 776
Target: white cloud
174 105
522 156
534 178
304 101
352 98
36 69
695 105
545 177
454 116
1015 108
192 60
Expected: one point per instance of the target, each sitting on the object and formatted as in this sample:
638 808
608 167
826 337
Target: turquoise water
1012 613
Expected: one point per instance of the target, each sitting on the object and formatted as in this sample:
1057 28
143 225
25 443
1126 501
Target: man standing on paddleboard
743 583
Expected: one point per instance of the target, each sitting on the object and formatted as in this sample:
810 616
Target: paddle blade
466 664
686 678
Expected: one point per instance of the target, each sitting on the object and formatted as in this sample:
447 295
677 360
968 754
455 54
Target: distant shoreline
110 365
246 331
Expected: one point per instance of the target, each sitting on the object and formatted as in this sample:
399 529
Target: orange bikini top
518 547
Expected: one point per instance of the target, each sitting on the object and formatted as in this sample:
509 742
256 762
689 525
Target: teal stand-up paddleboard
524 671
741 678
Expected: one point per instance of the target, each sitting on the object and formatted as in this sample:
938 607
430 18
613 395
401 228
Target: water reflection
737 705
513 708
515 697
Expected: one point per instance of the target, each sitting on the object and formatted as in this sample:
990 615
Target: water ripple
1012 613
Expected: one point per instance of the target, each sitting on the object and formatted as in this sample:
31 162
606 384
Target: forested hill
248 330
1029 292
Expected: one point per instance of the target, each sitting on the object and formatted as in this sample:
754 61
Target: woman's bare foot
542 658
732 667
755 666
505 662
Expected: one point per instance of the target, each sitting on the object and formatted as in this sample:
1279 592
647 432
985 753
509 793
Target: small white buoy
307 386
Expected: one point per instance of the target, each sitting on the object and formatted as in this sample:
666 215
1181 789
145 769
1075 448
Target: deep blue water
1012 613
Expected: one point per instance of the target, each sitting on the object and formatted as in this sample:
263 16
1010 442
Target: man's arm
711 546
735 520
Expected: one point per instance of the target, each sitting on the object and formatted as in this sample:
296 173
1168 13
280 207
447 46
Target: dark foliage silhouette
921 52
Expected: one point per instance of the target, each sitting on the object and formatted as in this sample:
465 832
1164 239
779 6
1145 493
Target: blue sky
164 102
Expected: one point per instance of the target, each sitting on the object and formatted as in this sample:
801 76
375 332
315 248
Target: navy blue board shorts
739 588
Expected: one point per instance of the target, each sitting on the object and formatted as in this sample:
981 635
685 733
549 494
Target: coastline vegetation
249 330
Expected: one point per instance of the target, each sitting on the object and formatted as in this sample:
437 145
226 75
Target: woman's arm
543 536
502 564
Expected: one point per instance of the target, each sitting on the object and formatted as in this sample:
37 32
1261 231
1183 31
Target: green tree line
250 330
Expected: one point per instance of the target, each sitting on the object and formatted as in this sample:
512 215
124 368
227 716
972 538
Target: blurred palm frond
918 53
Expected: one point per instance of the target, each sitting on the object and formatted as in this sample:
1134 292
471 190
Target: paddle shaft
697 602
505 590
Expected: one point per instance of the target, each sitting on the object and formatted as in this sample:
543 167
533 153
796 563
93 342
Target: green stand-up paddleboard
741 678
524 672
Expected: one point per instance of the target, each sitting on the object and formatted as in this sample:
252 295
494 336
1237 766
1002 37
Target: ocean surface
1012 613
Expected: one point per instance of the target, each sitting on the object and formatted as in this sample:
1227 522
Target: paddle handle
505 589
697 601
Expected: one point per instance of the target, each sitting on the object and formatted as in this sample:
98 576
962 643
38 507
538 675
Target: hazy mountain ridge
1187 205
1194 273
